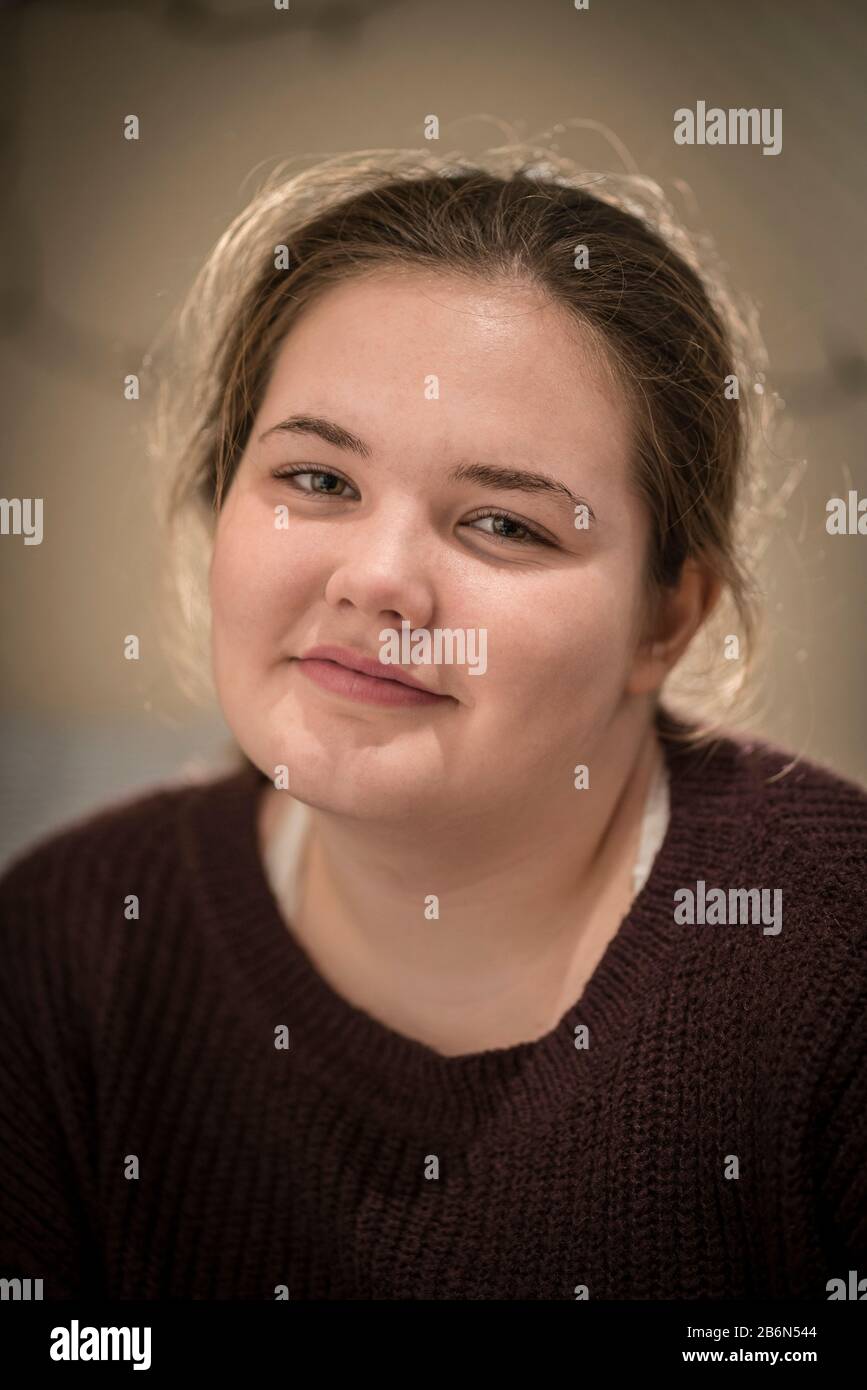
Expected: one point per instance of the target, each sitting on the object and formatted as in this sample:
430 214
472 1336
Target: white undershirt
283 854
654 824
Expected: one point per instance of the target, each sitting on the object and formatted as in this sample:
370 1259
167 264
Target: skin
473 798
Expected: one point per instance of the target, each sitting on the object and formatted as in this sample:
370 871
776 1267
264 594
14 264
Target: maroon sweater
155 1143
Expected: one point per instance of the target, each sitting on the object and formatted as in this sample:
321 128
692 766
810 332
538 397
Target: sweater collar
273 981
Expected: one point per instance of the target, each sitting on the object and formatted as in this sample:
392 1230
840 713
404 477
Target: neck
521 899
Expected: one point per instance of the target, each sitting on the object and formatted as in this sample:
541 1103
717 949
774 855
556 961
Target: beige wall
104 235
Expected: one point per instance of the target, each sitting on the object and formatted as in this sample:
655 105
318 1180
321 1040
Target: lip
361 677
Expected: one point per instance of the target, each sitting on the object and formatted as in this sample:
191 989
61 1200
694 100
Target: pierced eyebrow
486 474
516 480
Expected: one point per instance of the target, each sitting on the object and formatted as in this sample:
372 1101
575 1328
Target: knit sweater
188 1110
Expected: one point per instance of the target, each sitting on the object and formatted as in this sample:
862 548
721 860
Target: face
462 401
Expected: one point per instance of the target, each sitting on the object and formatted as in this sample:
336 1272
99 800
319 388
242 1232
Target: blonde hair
652 298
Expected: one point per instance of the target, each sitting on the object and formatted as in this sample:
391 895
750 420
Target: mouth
363 678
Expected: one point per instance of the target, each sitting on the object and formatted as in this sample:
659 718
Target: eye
325 483
507 527
320 475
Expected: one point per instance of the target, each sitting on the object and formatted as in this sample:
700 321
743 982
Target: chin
364 783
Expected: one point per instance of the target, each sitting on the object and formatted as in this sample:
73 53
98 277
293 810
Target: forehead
500 359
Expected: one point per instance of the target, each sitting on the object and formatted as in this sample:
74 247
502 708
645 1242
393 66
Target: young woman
486 974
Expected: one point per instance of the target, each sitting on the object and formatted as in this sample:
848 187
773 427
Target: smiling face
431 376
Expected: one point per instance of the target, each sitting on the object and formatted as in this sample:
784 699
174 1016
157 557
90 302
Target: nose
384 570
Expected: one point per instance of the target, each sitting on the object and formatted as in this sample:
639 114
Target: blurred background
102 237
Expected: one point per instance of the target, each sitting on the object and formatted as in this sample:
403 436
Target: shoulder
754 766
810 823
60 894
798 821
71 903
791 832
90 840
771 874
771 864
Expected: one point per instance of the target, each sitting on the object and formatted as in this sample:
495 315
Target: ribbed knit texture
558 1167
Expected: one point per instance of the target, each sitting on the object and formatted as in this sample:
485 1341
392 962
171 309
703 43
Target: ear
676 616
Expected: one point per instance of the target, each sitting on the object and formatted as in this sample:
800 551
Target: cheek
232 584
250 574
561 655
576 626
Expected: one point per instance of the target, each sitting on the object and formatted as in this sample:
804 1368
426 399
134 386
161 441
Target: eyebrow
486 474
